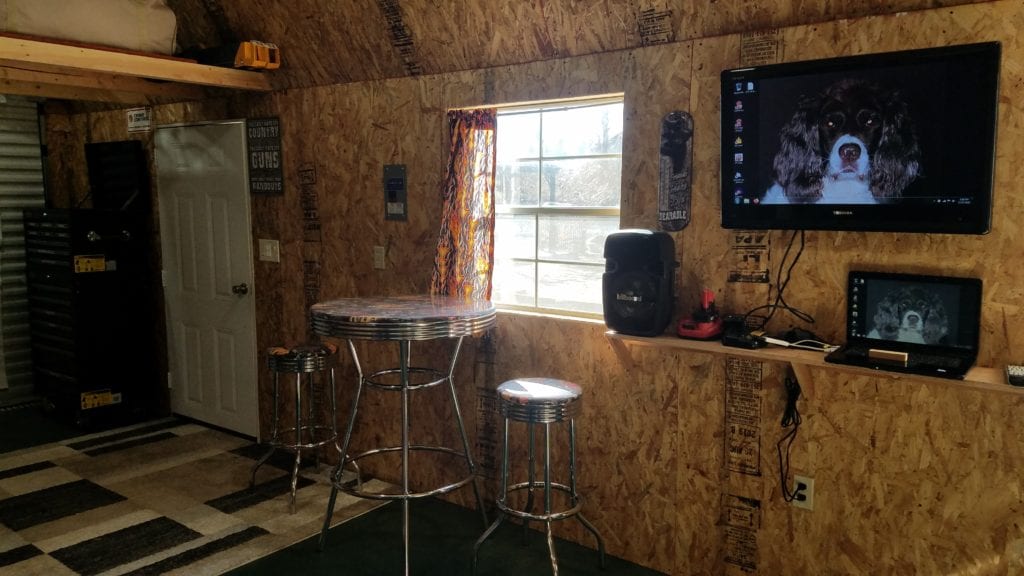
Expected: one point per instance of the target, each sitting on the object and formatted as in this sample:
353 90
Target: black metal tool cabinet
91 306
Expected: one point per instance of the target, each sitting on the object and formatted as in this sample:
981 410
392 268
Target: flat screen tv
899 141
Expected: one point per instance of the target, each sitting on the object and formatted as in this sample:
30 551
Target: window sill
979 378
551 315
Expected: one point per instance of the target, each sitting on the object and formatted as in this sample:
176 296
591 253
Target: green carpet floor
442 537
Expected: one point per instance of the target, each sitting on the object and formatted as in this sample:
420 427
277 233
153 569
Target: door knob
240 289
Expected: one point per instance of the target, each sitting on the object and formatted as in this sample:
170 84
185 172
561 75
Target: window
557 194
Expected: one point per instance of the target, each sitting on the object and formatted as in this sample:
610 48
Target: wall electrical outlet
803 489
378 257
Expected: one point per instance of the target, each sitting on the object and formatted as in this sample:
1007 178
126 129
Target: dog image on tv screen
911 314
853 143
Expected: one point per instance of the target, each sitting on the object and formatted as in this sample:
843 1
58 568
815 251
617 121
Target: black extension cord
790 419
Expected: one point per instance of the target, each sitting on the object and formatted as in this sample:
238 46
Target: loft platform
32 66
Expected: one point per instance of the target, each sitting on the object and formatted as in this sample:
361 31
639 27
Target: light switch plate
270 250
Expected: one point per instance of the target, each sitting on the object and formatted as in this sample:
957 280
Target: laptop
926 325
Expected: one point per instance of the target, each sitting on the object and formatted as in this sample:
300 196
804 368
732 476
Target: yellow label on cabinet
90 263
99 398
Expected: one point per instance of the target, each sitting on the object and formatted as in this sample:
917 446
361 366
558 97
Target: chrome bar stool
540 401
312 429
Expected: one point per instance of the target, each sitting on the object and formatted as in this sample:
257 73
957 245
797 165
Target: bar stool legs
343 449
575 498
539 401
273 435
309 433
462 433
405 387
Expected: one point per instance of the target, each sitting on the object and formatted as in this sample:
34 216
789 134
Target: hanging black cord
791 420
780 286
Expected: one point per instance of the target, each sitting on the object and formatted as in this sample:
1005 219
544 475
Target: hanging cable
791 420
780 287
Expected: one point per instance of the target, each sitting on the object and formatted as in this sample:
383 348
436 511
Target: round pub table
402 319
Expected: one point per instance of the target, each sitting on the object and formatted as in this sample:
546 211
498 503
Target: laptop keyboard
914 359
918 359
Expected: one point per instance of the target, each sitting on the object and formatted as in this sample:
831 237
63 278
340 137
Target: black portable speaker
637 282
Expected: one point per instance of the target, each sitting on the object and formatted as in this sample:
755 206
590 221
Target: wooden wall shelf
981 378
67 71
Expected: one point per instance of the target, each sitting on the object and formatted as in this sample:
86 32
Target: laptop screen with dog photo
909 323
910 309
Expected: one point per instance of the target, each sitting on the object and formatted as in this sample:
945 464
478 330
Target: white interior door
205 233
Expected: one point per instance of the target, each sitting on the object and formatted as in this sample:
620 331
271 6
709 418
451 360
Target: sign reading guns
263 137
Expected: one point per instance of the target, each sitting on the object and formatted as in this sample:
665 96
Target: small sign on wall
759 48
750 252
743 416
263 136
139 119
395 207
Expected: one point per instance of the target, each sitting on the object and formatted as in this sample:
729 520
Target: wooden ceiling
329 41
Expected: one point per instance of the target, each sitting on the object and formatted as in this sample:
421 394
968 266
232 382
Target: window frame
539 211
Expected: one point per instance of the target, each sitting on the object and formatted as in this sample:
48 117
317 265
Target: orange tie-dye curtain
465 247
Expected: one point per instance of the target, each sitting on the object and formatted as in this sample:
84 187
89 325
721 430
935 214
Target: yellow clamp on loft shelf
258 55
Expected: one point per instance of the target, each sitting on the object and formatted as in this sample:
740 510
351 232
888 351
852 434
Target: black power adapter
743 340
737 333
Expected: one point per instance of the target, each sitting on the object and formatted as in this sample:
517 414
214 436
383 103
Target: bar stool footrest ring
322 435
356 491
553 516
435 378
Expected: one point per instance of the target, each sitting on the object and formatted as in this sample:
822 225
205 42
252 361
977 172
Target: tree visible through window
557 196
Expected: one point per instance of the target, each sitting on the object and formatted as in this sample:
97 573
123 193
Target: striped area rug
157 498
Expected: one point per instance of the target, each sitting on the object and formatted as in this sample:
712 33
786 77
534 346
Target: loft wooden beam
72 93
112 82
28 54
121 89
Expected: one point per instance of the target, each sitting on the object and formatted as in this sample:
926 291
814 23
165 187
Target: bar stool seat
540 401
313 429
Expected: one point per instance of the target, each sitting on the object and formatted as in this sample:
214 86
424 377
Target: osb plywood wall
911 476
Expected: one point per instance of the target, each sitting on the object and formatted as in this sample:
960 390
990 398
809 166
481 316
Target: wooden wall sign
263 136
140 119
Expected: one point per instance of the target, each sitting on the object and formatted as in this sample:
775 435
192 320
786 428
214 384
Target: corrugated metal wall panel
21 186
